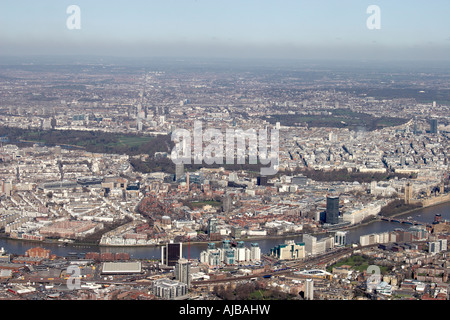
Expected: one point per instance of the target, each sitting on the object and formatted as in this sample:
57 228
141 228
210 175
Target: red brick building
38 253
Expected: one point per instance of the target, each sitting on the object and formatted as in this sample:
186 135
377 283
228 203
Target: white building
169 289
255 252
384 288
374 238
357 215
309 289
314 246
229 255
437 246
340 238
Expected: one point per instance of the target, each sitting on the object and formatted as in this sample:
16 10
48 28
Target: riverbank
272 238
267 243
409 211
250 239
47 241
421 208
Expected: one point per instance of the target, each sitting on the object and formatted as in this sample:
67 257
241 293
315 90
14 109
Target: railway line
321 262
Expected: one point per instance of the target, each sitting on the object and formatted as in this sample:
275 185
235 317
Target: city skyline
411 30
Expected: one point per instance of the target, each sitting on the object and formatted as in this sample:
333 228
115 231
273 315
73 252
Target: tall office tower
171 253
241 253
183 271
332 215
408 192
309 289
255 252
226 206
179 171
340 238
433 126
310 244
212 225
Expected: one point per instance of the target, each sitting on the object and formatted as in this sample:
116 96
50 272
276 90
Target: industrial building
314 274
121 267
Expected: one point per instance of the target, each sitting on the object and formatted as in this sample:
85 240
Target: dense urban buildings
86 160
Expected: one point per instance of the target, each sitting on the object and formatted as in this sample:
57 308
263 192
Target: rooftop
121 267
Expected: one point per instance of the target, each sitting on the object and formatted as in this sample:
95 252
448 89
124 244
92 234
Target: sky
292 29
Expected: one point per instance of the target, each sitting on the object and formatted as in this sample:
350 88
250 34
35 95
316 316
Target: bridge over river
405 221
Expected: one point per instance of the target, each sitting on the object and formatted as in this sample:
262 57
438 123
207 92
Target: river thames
154 252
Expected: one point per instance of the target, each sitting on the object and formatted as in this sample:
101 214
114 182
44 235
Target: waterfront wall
435 200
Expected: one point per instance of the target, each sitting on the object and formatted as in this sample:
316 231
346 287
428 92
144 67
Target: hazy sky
332 29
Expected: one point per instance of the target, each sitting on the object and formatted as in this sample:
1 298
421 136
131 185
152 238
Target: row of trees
250 291
345 175
397 206
339 118
92 141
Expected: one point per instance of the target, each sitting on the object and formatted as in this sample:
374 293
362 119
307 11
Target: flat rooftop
121 267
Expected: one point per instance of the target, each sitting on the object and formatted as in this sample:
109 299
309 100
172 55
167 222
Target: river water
423 215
